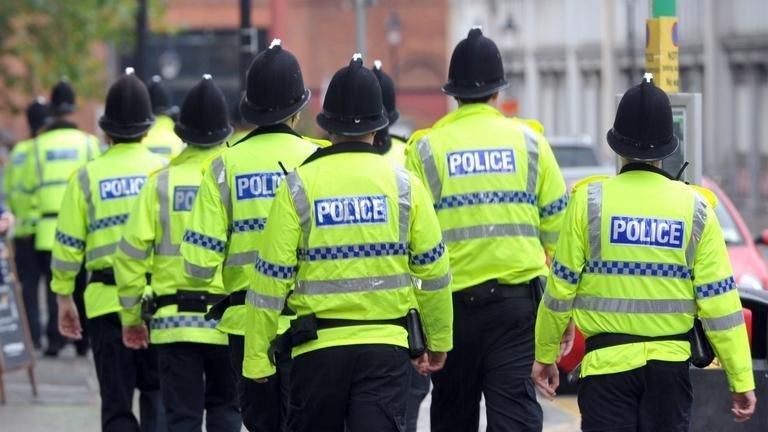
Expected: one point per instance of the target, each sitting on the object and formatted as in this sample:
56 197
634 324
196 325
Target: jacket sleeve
719 306
270 283
413 161
69 245
551 195
429 262
7 186
133 258
562 285
205 240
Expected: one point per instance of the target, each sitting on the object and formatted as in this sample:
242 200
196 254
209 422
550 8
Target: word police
481 162
351 210
184 197
257 185
121 187
640 231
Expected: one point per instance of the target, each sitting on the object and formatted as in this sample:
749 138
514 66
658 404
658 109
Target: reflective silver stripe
484 231
85 187
57 264
594 216
556 305
404 201
724 322
697 228
620 305
242 258
100 252
365 284
88 150
430 168
38 164
263 301
532 144
548 237
132 251
198 271
220 174
167 250
301 203
436 284
129 302
164 214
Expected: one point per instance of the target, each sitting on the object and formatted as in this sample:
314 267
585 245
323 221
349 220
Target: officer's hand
69 319
6 221
429 362
136 337
547 378
566 344
743 405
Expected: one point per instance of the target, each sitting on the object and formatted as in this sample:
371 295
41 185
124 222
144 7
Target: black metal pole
142 35
245 40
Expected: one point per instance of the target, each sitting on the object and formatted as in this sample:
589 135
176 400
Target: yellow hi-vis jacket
150 244
497 190
352 231
20 200
396 153
231 210
57 153
162 140
642 254
98 199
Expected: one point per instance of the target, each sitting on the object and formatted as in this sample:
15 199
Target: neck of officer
338 139
624 162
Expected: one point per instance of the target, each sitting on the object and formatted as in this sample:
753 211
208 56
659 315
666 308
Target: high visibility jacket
231 210
19 199
150 244
498 192
642 254
99 197
162 140
396 152
352 231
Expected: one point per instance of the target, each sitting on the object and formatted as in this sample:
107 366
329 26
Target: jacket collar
61 124
466 111
637 166
262 130
345 147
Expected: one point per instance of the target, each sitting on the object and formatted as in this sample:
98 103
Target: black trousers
417 391
654 398
55 340
354 388
493 343
196 378
29 272
120 371
264 407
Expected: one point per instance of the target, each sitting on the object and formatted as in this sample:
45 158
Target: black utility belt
492 290
49 215
107 277
606 340
237 298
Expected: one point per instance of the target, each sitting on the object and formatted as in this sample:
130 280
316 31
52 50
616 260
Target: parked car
578 158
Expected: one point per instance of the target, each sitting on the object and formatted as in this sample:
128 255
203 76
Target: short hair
483 99
123 140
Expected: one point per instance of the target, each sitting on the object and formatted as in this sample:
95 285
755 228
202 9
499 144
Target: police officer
231 209
499 196
193 356
60 150
350 230
99 197
20 201
643 254
160 139
391 146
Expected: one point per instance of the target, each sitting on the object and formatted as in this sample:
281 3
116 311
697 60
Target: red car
749 266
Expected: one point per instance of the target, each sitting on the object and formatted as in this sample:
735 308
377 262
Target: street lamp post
394 38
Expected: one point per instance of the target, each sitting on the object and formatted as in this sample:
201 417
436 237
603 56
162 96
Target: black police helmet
37 114
643 128
353 102
387 92
161 98
476 69
128 111
274 87
62 98
203 120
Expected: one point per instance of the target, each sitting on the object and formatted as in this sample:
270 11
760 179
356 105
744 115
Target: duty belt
49 215
237 298
493 289
188 301
606 340
107 277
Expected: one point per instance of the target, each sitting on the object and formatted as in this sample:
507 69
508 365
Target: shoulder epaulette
707 194
588 180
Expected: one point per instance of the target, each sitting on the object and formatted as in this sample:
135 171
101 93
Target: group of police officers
298 284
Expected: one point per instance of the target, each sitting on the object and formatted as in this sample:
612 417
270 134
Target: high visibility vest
396 152
162 140
99 198
497 190
352 231
231 209
19 199
150 244
642 255
57 154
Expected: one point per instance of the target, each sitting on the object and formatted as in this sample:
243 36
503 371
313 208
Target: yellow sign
661 53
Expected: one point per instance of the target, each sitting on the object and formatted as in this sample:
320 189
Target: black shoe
81 350
52 351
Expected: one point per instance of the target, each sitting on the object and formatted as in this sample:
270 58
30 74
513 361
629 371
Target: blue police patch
160 150
19 159
472 162
257 185
61 154
184 197
351 210
643 231
121 187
